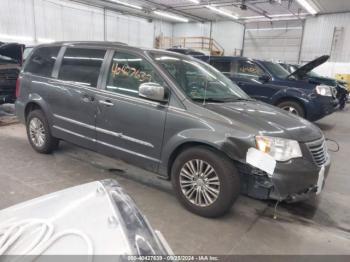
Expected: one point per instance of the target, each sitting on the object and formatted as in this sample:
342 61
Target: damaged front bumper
292 181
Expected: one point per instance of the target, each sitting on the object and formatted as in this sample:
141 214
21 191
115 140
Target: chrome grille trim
318 151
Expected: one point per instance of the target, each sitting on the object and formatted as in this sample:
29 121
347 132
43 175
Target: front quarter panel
195 128
295 93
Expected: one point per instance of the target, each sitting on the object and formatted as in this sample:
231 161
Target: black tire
50 143
226 172
295 105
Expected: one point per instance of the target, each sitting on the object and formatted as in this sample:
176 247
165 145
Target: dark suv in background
305 72
10 66
271 83
173 115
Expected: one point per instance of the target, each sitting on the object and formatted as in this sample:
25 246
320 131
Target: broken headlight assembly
279 148
324 90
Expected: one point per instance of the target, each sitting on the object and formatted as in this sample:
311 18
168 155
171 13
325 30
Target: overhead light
308 7
194 1
126 4
171 16
220 11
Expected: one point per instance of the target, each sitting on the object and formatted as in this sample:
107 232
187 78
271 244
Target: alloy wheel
37 132
199 183
291 109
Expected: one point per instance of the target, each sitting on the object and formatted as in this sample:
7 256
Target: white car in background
97 218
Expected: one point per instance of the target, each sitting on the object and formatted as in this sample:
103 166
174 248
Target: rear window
82 66
42 61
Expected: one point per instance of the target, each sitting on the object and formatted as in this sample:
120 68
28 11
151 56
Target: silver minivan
173 115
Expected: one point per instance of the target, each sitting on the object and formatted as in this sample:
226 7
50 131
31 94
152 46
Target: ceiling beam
175 11
146 13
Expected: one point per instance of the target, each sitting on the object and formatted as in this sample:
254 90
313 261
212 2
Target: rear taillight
17 87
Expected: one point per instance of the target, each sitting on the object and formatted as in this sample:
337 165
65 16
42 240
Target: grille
334 92
318 150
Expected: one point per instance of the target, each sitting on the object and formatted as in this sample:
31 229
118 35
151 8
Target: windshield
276 70
199 80
27 52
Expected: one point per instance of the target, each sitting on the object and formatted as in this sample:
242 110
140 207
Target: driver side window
128 72
248 69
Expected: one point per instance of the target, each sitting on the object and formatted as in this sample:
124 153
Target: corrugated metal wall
43 20
318 37
229 35
278 41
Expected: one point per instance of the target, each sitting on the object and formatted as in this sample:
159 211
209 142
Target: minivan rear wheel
39 134
205 181
292 107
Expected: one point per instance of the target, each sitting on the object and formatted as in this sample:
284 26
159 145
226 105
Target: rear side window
42 61
82 66
222 66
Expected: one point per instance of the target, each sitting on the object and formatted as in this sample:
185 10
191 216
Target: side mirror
265 78
152 91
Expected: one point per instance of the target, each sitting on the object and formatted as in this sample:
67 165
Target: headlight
279 148
324 90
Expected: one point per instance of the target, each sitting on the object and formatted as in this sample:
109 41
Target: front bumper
292 181
321 106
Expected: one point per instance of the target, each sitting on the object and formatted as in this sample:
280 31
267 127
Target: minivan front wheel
39 134
206 182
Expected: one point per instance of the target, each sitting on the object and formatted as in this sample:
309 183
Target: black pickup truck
10 66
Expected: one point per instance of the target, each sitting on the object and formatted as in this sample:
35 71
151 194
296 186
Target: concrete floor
318 226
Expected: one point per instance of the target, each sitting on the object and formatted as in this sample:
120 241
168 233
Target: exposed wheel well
285 99
30 107
183 147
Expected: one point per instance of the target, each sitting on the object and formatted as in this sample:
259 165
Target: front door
247 75
72 95
128 126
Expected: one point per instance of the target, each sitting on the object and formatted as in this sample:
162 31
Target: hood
302 71
256 117
13 51
323 80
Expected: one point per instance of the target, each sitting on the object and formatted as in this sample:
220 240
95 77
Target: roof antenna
205 92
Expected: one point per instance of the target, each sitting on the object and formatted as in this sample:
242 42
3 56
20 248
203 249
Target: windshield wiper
222 100
215 100
242 99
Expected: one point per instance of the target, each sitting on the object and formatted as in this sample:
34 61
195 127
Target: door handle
106 102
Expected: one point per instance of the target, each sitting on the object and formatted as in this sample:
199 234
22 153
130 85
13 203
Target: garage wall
191 29
318 37
278 41
22 27
55 20
228 34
